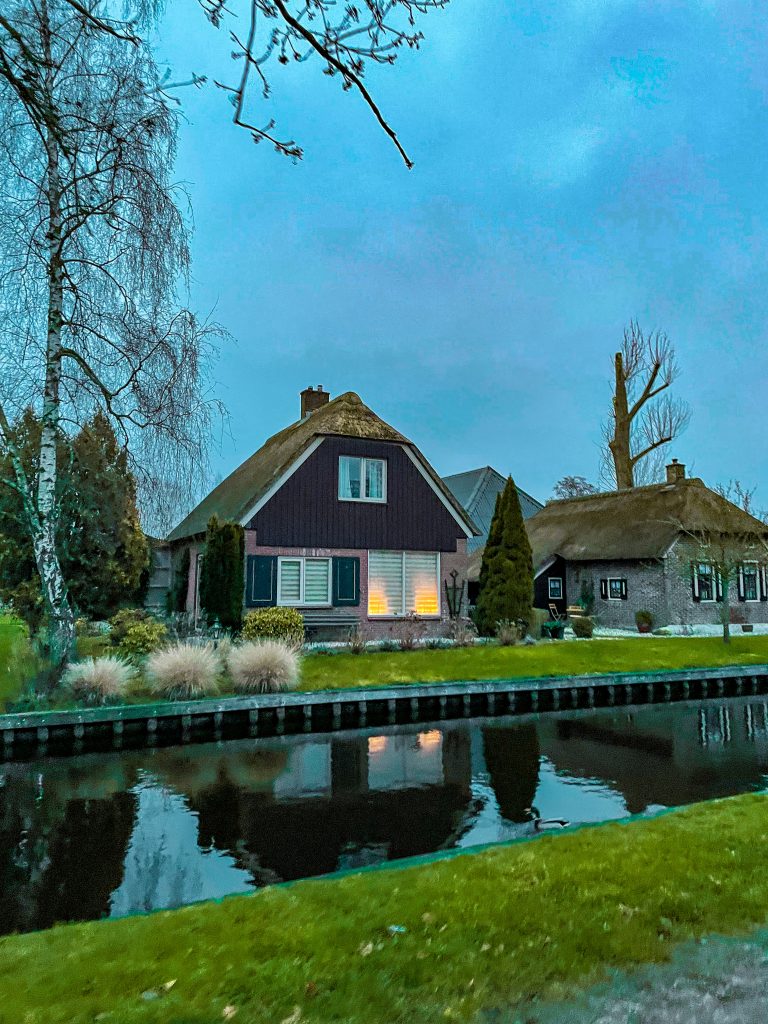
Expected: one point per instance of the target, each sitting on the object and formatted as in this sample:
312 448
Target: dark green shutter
604 589
261 584
623 590
346 582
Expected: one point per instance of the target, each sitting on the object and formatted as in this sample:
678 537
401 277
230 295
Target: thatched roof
345 416
637 524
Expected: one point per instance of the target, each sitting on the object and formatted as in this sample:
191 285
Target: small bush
462 632
284 624
99 680
124 620
267 666
507 633
582 626
143 638
538 617
644 618
388 646
411 631
356 643
183 670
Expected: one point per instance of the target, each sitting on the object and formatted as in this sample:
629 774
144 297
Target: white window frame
550 581
712 575
756 567
302 560
615 579
403 614
363 460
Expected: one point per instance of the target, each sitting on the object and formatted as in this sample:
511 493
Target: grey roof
476 491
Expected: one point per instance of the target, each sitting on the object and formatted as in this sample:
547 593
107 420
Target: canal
109 834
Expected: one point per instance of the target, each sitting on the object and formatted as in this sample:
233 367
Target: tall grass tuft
99 680
265 667
183 670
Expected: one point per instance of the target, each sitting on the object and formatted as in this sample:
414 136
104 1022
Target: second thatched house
676 549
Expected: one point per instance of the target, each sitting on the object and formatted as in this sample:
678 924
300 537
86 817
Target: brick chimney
675 472
311 400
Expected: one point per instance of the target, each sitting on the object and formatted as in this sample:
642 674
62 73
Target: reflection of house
662 757
344 519
633 548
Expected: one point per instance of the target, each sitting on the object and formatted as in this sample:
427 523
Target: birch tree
93 250
644 416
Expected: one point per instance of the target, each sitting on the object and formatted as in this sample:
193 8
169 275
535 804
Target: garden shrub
221 579
538 617
506 571
356 643
143 638
583 626
411 631
284 624
507 633
183 670
645 618
389 645
267 666
99 680
120 623
462 631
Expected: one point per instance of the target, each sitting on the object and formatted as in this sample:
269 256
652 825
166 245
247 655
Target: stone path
716 981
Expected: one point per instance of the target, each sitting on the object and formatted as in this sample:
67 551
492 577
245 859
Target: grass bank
565 657
17 661
472 933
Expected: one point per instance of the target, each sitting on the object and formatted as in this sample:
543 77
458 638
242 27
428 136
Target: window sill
298 607
365 501
404 618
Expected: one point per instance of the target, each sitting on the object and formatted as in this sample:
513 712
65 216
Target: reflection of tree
512 760
61 863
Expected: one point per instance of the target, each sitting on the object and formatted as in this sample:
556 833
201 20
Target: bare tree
345 37
573 487
93 248
644 416
743 497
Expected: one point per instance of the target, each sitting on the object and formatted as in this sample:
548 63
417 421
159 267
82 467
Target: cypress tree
506 572
221 579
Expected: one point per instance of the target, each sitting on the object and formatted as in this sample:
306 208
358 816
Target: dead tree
644 415
93 245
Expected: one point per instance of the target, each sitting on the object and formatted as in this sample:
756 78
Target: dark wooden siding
541 598
306 511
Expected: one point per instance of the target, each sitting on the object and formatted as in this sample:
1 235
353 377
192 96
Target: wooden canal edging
141 725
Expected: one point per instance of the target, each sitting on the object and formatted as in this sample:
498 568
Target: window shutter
742 591
763 584
718 587
604 589
695 582
261 584
346 582
623 590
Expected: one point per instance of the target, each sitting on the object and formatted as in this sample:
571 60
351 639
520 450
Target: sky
577 163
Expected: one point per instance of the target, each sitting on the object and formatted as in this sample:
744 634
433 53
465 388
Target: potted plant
644 620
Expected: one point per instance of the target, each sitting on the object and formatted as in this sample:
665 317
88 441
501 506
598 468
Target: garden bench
329 620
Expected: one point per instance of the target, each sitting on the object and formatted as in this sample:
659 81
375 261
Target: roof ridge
661 485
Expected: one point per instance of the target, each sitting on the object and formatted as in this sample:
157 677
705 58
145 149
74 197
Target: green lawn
17 662
566 657
474 933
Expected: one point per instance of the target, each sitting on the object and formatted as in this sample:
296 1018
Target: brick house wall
377 628
661 587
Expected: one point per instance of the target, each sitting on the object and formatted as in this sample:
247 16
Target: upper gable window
362 479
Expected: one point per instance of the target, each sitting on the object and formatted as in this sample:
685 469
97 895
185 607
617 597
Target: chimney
311 400
675 472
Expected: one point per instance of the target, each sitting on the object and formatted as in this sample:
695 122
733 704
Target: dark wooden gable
306 511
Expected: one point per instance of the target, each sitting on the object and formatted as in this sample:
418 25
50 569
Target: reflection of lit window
362 479
430 740
401 582
377 744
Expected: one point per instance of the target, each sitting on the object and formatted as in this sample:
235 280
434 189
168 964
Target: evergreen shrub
221 577
583 626
143 638
506 572
284 624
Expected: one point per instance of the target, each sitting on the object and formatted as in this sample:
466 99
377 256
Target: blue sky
577 163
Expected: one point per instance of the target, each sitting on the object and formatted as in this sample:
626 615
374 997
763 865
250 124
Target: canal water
105 835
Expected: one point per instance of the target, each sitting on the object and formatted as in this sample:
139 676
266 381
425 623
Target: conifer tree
506 572
221 579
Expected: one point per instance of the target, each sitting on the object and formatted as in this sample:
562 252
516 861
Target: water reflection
111 834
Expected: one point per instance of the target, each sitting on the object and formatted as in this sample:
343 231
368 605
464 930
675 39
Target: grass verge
18 663
558 658
479 932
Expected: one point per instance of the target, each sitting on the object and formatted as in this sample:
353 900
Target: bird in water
546 824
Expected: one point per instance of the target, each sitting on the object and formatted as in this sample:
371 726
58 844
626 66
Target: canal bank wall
178 722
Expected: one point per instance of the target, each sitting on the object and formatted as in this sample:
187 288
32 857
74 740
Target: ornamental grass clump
183 670
268 666
99 680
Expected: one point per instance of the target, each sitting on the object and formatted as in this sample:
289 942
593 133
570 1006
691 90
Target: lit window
304 581
362 479
401 582
555 588
751 588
